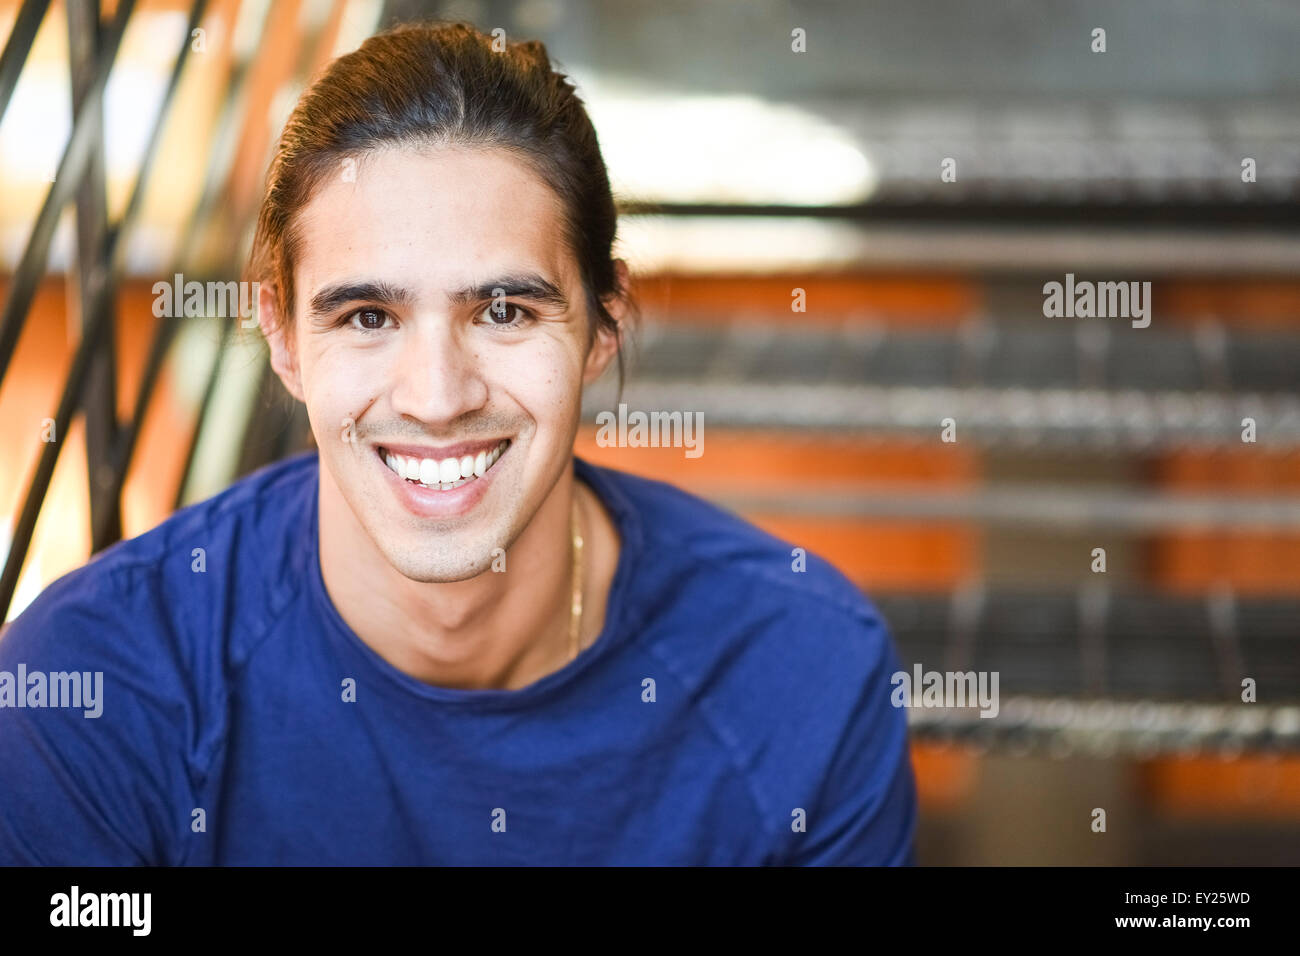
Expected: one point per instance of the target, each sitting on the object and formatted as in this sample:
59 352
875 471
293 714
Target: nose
437 375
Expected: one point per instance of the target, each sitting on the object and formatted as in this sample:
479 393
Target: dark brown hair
439 84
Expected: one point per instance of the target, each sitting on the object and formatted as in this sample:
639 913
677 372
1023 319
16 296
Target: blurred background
134 138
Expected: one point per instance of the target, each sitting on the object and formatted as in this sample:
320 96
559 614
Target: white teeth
446 474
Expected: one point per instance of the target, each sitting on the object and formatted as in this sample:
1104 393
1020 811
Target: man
441 638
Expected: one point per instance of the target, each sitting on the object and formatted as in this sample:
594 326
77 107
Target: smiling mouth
442 474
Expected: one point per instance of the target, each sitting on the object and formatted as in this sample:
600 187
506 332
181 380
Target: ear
607 343
283 359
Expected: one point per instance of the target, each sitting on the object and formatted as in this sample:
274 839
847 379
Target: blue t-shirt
733 711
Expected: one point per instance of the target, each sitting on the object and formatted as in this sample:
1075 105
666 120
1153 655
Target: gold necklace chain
575 616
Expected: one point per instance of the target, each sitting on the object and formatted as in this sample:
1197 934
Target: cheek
546 380
338 383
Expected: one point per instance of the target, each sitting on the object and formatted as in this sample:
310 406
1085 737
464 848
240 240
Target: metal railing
90 385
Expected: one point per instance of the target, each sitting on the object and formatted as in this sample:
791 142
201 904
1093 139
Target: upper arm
79 788
866 809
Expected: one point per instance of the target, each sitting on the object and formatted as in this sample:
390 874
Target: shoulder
773 627
723 557
787 661
174 580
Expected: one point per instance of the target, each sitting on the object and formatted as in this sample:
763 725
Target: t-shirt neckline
613 632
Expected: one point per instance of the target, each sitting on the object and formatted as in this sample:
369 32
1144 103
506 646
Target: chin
438 564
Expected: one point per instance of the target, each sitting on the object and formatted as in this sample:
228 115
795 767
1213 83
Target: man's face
439 318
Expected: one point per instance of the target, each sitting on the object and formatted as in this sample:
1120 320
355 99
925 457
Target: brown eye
505 315
369 320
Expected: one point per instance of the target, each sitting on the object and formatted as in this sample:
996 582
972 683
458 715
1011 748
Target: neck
498 630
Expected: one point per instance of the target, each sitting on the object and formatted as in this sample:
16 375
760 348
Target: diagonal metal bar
164 334
105 528
72 167
100 396
19 45
40 484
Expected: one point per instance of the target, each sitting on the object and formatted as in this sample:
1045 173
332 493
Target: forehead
430 219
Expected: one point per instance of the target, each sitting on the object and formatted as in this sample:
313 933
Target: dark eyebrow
518 286
331 297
